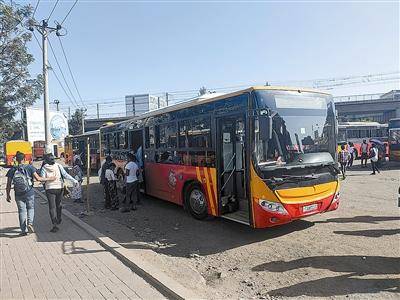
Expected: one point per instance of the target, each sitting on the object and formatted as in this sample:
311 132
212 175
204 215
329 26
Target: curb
159 280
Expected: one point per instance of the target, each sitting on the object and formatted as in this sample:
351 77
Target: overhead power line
34 11
51 13
55 74
62 73
70 71
62 22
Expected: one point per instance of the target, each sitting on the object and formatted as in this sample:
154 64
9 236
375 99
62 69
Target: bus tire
196 201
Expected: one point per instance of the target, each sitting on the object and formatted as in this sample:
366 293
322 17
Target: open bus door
136 147
231 168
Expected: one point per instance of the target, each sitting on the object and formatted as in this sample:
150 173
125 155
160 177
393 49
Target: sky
118 48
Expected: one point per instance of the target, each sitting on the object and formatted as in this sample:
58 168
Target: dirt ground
350 253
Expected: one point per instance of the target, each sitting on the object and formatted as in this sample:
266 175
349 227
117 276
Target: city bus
356 132
262 156
12 147
394 139
78 143
39 149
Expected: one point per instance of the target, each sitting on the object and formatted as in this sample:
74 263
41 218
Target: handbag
66 192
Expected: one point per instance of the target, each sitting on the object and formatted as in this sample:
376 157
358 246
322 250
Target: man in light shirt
131 173
364 153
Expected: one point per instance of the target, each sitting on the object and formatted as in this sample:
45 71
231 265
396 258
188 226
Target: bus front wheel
196 202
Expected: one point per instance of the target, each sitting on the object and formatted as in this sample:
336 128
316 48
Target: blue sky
125 47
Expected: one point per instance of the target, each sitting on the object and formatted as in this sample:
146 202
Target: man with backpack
21 176
343 160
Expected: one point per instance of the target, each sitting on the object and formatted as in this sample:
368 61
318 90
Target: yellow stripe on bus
210 195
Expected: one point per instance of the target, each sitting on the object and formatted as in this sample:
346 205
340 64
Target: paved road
66 264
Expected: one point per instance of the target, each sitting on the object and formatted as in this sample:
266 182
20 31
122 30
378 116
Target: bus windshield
303 129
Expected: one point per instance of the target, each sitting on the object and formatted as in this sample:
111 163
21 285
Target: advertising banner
35 125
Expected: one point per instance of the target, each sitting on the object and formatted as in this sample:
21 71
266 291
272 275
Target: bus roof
361 124
86 133
211 97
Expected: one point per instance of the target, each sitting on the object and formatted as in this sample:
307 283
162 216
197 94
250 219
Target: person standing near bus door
374 159
350 149
131 173
112 186
103 181
364 153
343 160
22 177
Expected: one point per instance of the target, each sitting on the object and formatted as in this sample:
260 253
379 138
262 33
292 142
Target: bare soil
350 253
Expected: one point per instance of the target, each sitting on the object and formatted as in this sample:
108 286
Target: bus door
231 170
136 147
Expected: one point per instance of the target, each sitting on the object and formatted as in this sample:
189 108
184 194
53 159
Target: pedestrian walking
55 188
350 149
374 159
112 186
104 182
76 193
343 160
131 173
22 176
364 153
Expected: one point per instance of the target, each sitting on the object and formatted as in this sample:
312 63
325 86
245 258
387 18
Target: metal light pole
57 102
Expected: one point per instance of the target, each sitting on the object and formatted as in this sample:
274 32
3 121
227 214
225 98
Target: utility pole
166 98
45 30
57 102
83 120
98 111
69 113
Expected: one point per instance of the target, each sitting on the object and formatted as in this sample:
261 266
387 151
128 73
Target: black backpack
103 179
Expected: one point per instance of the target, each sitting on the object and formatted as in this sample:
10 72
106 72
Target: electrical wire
34 11
51 13
70 71
62 73
55 74
62 22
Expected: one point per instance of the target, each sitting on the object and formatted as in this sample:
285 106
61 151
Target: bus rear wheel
196 202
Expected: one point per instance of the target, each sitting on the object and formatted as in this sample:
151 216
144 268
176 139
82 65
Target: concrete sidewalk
66 264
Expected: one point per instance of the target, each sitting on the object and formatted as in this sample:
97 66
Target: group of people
22 176
131 184
347 156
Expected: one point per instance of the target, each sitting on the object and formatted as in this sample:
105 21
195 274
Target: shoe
114 208
59 221
134 208
30 228
23 234
54 229
372 174
124 210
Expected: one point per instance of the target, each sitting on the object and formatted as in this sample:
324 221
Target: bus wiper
289 178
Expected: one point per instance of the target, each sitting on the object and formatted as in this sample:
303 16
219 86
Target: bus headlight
273 207
336 197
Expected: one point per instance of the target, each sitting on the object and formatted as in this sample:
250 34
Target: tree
75 123
202 91
17 88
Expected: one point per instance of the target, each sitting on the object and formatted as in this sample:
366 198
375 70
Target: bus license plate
309 208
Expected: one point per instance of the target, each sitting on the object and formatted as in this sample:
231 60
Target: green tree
75 123
17 88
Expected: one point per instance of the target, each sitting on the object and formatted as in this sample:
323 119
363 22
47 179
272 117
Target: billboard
35 125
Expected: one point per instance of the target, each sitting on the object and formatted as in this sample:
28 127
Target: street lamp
56 102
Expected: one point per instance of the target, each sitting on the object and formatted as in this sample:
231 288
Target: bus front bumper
272 214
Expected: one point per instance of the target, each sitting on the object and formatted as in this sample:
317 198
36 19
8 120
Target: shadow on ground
370 233
358 279
166 228
362 219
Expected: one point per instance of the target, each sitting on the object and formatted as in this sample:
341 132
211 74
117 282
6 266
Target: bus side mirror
265 123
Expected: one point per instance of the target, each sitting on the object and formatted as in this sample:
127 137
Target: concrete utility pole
45 30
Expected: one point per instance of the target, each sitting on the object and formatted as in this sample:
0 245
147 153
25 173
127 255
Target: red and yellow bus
78 143
39 149
394 139
262 156
12 147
